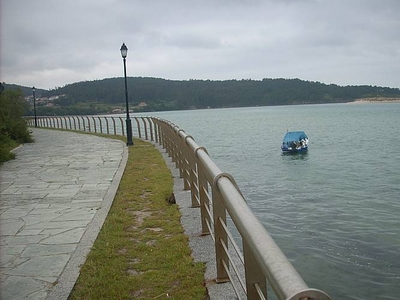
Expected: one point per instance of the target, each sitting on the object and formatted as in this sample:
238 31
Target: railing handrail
264 261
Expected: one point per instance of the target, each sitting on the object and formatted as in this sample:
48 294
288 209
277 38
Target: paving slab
54 198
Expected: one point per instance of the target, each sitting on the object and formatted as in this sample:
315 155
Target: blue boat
295 142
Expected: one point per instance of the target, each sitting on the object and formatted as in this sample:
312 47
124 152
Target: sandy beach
376 100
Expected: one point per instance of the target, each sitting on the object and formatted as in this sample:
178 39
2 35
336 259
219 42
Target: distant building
117 111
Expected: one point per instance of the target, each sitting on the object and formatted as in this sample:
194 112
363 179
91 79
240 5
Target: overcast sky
51 43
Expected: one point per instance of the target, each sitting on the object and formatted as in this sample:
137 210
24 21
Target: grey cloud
53 43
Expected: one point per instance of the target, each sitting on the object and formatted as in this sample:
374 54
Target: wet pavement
54 199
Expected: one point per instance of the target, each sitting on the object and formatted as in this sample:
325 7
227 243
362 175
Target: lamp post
129 142
34 104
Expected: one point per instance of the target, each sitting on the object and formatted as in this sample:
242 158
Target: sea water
335 211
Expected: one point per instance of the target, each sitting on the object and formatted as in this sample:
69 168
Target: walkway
53 201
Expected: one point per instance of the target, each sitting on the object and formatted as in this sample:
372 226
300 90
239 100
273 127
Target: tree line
162 94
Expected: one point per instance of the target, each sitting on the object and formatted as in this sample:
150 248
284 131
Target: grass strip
141 251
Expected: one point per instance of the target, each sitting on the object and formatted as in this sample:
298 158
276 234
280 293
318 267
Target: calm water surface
335 212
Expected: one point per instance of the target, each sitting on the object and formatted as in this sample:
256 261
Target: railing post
177 146
168 141
122 126
115 128
184 161
219 214
108 129
73 118
101 126
145 129
89 127
151 129
194 180
94 124
160 125
155 130
138 127
84 125
165 136
254 275
203 195
164 133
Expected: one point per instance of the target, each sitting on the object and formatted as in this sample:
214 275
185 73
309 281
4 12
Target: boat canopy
292 136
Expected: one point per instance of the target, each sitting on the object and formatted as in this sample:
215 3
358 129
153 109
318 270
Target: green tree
13 128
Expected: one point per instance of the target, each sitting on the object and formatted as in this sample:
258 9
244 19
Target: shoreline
376 100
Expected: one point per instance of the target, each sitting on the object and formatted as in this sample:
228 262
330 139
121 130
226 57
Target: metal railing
261 262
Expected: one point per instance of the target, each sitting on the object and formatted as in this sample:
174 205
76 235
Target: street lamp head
33 89
124 50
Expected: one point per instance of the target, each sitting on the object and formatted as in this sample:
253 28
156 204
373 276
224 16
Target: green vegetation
161 94
157 94
13 128
141 251
63 108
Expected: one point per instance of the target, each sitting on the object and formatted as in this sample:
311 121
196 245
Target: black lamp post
129 142
34 104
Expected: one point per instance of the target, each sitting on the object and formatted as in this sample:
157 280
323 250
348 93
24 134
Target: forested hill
162 94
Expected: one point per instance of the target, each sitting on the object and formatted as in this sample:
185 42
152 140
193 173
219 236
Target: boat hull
294 151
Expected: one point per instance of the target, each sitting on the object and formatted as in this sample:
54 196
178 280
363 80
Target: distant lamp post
34 104
129 142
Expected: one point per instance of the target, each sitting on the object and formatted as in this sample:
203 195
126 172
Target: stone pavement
54 198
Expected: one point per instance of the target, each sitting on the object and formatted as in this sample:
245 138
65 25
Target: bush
13 128
6 145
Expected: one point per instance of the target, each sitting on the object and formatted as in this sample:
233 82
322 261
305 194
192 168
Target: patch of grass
141 251
6 145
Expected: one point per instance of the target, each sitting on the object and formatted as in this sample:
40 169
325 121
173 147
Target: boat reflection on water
295 156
